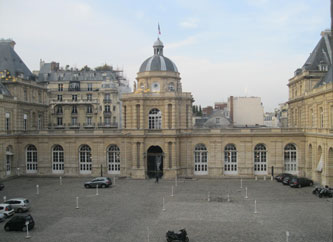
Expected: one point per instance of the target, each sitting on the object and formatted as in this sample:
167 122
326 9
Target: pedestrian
156 181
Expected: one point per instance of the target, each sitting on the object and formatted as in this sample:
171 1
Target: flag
159 29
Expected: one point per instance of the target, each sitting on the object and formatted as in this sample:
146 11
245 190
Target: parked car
280 176
18 223
6 209
2 186
2 217
287 179
300 182
20 205
98 181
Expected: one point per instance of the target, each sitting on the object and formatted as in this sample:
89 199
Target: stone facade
157 137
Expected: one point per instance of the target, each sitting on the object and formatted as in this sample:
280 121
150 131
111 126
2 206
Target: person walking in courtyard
156 176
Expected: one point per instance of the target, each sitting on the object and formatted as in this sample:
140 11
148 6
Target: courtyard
132 209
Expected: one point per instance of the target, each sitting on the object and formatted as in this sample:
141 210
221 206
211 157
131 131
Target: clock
155 87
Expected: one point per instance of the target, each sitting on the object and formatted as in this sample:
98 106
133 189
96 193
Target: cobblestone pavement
132 208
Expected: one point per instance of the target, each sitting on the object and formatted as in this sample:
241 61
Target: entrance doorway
154 162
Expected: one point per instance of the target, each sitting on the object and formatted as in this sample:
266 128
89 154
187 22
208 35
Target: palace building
77 123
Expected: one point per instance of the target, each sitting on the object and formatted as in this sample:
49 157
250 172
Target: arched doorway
154 162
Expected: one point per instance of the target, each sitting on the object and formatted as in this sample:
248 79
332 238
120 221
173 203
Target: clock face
155 87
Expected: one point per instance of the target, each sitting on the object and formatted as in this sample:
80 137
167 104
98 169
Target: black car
286 180
280 177
1 186
17 223
300 182
98 181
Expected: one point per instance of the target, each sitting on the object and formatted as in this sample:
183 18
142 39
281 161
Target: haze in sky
221 48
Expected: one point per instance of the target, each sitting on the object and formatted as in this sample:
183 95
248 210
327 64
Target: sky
221 48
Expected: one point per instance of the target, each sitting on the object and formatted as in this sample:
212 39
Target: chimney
232 109
8 41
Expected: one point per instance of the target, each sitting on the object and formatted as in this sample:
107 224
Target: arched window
260 163
31 159
113 158
290 159
57 159
230 159
155 119
85 159
321 117
200 160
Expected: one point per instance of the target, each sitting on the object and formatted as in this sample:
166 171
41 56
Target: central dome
158 62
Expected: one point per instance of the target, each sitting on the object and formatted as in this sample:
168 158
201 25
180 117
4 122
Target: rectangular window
7 121
39 97
107 120
39 125
89 97
107 108
74 120
60 98
59 109
60 87
25 95
89 86
89 109
114 108
138 116
89 120
74 109
74 98
107 96
59 121
25 121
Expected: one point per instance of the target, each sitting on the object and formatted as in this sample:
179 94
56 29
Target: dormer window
322 66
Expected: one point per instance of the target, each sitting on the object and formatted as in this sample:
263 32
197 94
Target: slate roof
320 54
158 62
64 75
10 61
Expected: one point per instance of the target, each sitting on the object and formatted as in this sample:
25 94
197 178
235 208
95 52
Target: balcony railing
107 100
89 125
108 125
74 126
70 101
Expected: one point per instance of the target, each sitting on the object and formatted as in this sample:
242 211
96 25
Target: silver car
20 205
6 210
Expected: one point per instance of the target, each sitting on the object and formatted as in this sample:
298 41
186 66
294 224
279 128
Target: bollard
37 189
287 236
163 209
171 191
256 178
148 234
18 171
264 178
241 183
208 197
255 206
271 178
60 180
27 236
246 197
228 198
114 180
96 190
77 202
4 199
176 181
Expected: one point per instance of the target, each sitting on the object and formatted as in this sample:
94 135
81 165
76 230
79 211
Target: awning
9 153
320 164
